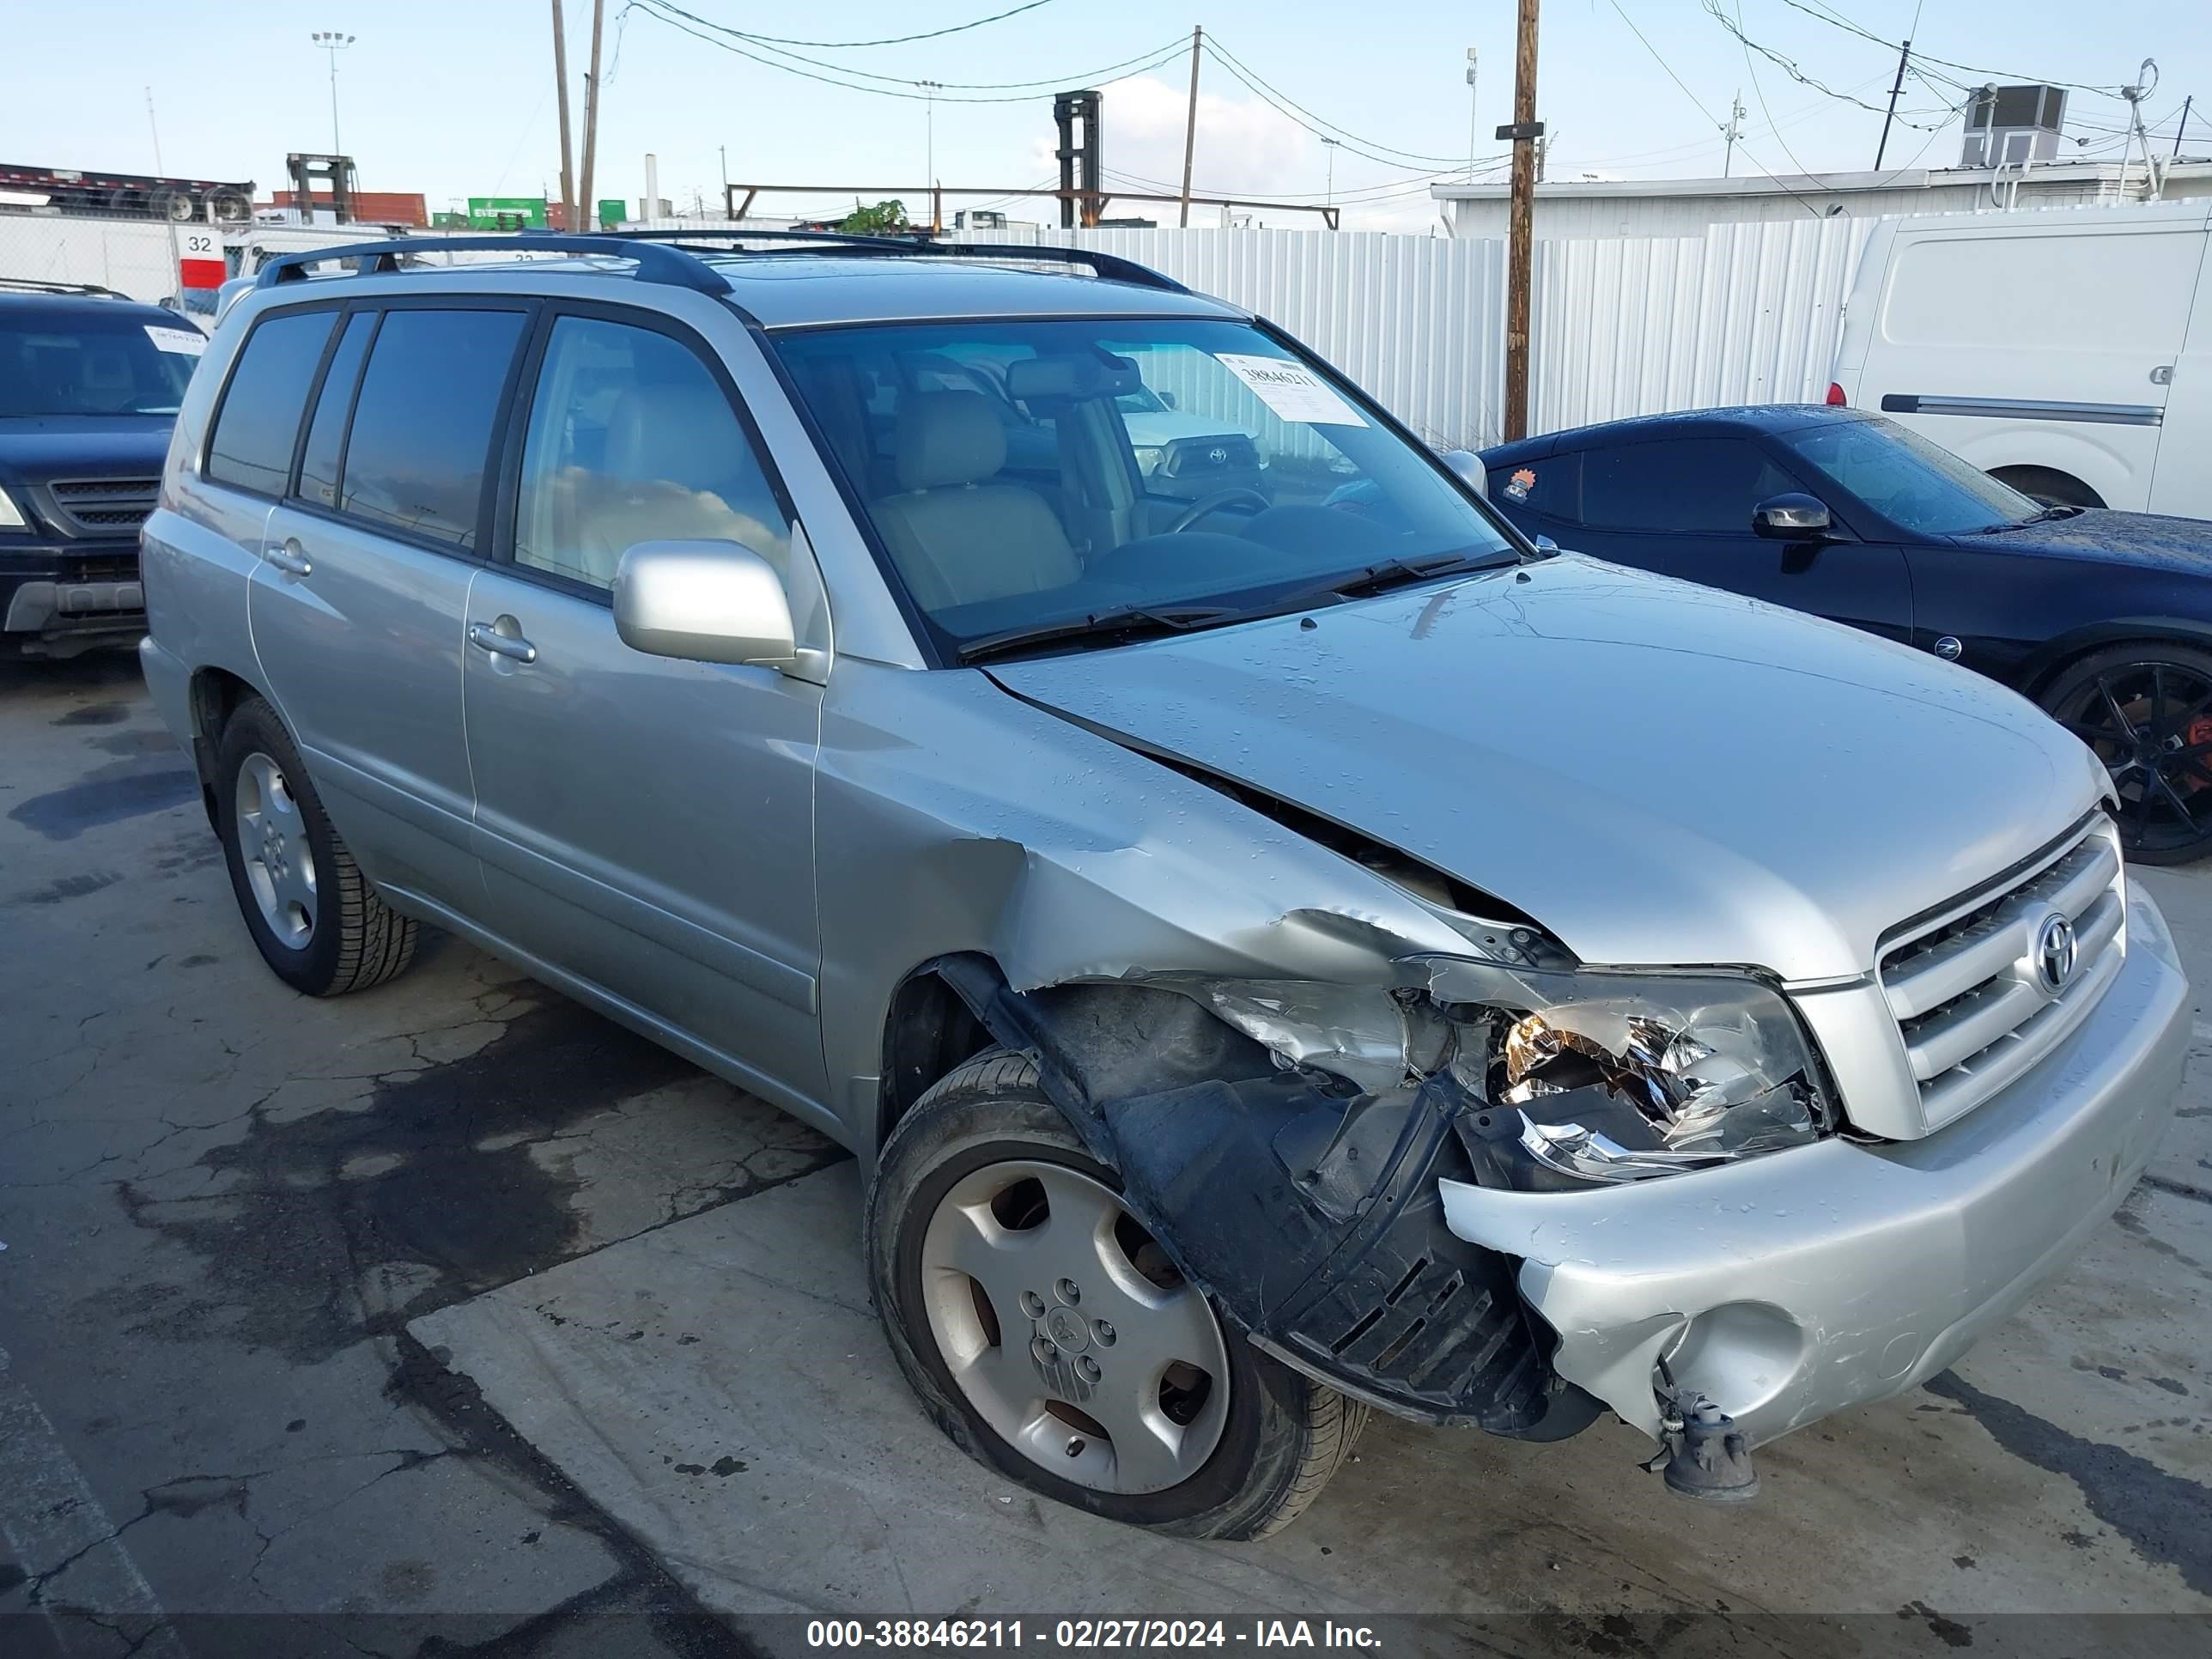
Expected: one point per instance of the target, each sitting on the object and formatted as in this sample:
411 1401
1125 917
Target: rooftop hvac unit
2007 126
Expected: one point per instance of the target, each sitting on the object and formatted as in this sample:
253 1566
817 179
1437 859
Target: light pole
1471 126
1330 145
334 42
929 91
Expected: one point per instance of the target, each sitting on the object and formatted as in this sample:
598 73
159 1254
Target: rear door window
416 452
259 420
1705 486
318 463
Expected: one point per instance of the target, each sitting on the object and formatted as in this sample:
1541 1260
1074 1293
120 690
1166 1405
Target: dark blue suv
90 386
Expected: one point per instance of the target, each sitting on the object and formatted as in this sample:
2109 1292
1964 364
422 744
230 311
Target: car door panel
644 823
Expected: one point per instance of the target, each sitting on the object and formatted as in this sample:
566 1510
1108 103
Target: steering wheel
1213 503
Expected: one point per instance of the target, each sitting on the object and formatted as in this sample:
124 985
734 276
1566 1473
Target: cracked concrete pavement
456 1311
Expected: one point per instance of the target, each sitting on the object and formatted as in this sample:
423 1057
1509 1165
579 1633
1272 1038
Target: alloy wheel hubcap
272 842
1068 1329
2151 725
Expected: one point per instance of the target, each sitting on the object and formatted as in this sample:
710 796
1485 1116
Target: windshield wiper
2045 516
1388 573
1124 621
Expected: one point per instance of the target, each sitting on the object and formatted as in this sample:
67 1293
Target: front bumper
1789 1286
57 598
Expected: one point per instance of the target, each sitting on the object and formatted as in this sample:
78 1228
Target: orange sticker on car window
1518 486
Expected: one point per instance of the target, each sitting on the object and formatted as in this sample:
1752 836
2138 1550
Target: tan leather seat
956 537
673 469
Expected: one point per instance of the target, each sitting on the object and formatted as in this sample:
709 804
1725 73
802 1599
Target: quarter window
251 446
632 439
1707 486
421 426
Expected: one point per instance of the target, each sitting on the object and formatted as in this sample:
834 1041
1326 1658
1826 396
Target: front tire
317 923
2146 711
1049 1337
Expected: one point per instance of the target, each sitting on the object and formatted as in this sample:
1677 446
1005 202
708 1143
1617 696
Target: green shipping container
506 212
612 211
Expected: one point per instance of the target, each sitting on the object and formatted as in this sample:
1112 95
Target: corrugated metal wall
1743 313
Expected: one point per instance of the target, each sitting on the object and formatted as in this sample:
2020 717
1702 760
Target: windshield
1914 484
73 363
1020 475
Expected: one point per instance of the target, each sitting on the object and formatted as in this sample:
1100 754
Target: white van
2068 352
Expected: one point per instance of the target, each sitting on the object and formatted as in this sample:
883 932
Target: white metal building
1685 207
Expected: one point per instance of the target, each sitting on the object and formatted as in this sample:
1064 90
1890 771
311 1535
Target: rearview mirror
1791 518
703 601
1469 466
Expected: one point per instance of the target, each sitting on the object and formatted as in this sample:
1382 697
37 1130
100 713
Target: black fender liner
1308 1213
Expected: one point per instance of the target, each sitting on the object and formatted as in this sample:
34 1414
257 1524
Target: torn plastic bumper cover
1309 1210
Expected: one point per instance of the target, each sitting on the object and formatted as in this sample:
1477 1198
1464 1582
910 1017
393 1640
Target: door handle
485 638
290 557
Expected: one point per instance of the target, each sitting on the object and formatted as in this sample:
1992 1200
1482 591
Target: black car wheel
2147 712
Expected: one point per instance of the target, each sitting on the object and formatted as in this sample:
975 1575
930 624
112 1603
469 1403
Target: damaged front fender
1307 1209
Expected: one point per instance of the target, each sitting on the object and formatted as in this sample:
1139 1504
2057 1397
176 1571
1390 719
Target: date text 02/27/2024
1084 1634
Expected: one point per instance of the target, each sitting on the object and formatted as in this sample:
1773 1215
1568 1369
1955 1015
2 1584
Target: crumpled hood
35 448
1660 773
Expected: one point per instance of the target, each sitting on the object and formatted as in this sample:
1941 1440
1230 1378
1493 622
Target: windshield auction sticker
188 342
1291 390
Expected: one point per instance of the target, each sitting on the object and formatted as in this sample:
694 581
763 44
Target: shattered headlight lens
1620 1077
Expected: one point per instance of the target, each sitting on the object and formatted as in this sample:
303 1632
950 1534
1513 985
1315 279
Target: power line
1788 66
683 22
1708 114
1836 20
889 40
1268 93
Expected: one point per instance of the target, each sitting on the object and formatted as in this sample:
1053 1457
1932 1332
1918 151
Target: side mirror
1168 399
703 601
1469 466
1792 518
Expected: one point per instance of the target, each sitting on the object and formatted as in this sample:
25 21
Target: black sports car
2105 618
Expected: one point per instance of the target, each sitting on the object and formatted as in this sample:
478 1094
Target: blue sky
454 97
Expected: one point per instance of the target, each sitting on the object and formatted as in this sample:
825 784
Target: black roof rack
40 285
656 263
1110 266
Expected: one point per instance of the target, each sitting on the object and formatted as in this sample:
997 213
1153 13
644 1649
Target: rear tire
2146 711
974 1143
2048 485
316 921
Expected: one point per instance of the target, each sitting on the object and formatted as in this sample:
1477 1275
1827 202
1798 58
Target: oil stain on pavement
108 794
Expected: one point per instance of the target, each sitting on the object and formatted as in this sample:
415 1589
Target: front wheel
1049 1336
2146 710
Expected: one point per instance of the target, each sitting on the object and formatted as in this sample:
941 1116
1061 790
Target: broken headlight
1620 1077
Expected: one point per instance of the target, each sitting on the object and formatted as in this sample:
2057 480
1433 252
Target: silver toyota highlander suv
1275 957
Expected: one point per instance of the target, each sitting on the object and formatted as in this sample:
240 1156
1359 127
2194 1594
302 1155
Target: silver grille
101 506
1973 1009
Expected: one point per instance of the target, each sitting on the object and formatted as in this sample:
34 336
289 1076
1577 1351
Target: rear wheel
317 923
1049 1336
2048 485
2146 710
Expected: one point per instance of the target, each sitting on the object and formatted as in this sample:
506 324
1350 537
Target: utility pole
930 89
333 41
1330 144
2179 126
1521 238
1190 125
1472 109
585 208
155 127
1732 130
1904 56
561 93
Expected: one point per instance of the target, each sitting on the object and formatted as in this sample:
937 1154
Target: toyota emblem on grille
2054 954
1218 455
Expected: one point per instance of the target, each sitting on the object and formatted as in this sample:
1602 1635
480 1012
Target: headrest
679 432
947 438
1072 377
